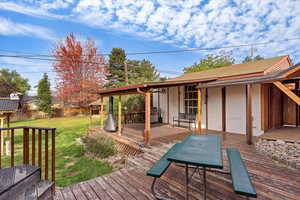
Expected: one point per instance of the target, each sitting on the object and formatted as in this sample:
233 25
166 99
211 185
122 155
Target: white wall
215 109
235 108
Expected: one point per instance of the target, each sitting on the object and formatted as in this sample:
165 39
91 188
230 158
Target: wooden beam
297 106
206 108
199 110
249 120
2 137
158 100
120 116
147 118
178 87
168 104
288 92
224 109
101 113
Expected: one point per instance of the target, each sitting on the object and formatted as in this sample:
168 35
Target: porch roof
224 75
134 89
282 75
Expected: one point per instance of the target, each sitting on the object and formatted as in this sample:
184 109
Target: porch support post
224 112
199 109
120 116
297 106
249 114
168 105
2 135
147 118
206 108
101 113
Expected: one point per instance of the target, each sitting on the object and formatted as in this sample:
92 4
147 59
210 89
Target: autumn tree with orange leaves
80 71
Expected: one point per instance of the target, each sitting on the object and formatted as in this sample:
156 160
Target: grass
71 164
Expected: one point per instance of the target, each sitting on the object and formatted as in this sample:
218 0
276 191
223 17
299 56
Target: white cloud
185 23
28 10
8 27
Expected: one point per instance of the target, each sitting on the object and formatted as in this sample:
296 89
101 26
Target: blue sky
147 25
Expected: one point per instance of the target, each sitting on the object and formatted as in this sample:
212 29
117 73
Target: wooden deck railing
32 142
134 117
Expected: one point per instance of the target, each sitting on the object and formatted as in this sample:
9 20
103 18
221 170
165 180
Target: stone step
15 180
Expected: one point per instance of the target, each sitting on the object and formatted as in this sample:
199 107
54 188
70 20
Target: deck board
271 180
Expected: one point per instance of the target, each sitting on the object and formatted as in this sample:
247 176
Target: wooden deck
271 180
285 133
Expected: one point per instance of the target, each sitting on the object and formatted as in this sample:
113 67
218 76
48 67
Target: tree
11 81
211 61
140 71
44 95
81 72
116 75
249 58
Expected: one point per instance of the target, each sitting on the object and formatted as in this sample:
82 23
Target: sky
36 26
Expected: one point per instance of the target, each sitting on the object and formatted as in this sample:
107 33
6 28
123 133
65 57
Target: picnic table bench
241 181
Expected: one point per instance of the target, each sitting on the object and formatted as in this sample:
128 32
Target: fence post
53 156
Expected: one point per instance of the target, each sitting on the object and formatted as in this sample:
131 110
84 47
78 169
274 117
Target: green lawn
71 165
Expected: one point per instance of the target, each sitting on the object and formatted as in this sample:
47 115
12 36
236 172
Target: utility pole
126 72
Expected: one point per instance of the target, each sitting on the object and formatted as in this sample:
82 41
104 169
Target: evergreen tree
116 76
249 58
44 95
140 71
211 61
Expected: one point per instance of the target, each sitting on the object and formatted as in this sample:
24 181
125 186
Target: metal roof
6 104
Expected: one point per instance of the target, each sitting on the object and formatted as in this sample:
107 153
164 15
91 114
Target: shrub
99 145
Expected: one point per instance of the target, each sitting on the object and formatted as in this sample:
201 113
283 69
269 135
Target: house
9 106
30 109
248 98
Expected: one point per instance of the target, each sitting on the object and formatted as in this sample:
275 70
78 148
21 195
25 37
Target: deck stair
24 183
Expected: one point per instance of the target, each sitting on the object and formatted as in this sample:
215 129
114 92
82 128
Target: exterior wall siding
215 109
235 108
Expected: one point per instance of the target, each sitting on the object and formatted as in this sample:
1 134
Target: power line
163 51
25 65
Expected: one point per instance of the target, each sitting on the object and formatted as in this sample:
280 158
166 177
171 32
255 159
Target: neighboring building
30 109
265 84
9 106
95 107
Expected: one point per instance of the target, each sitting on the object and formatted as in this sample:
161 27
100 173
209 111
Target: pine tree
44 95
116 76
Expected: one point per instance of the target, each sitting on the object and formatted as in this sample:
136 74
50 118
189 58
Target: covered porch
249 105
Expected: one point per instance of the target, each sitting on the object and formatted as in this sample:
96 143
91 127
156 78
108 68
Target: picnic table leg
204 181
187 181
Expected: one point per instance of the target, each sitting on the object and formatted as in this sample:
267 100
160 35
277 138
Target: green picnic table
204 152
200 151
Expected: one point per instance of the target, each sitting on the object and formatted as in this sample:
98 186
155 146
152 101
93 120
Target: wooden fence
32 142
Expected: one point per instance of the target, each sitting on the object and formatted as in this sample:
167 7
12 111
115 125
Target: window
190 99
